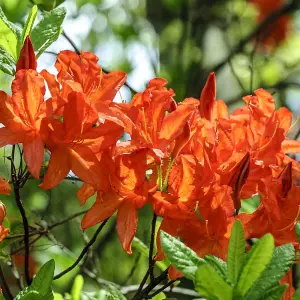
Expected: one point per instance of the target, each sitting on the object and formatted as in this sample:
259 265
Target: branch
272 18
5 285
50 227
16 183
83 252
151 248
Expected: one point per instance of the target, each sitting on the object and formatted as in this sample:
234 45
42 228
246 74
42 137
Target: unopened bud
2 212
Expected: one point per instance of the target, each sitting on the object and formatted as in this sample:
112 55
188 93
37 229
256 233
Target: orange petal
34 154
86 166
208 97
175 121
103 208
126 224
9 138
27 59
291 146
85 192
5 188
58 168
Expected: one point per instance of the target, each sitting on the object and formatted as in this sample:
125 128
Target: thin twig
5 285
151 248
83 252
161 289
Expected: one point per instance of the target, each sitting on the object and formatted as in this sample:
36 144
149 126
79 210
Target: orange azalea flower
76 142
22 114
276 32
129 190
81 73
3 233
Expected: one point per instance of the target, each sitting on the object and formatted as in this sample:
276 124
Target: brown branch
83 252
272 18
161 289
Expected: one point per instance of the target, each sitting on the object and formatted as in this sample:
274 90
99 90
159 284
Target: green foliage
209 284
236 252
297 228
280 263
41 286
29 23
48 29
10 36
256 262
77 287
7 62
254 275
47 4
183 258
114 293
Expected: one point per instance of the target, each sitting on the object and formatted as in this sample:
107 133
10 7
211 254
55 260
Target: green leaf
209 284
7 62
42 282
29 23
58 296
183 258
48 29
236 252
144 250
33 295
282 260
47 4
256 262
298 231
276 292
218 264
77 287
160 296
10 36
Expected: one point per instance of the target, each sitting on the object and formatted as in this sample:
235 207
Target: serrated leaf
236 252
144 250
218 264
297 228
276 292
48 29
29 23
182 257
282 260
209 284
7 62
28 294
10 36
77 287
256 262
42 282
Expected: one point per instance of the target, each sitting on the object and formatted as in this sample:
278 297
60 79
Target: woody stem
16 184
151 249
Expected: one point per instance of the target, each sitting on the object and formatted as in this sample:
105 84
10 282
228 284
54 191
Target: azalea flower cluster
193 161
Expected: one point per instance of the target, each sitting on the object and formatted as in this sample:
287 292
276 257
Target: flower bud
2 212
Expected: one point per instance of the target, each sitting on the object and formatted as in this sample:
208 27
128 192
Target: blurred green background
180 40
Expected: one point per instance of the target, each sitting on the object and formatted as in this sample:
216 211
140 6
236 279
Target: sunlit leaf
183 258
29 23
